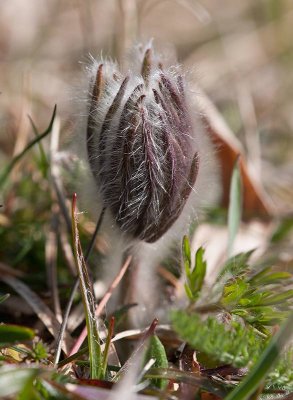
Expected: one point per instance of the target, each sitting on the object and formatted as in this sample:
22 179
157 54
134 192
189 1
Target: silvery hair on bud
148 159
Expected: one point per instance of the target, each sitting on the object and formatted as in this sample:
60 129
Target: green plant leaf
10 334
281 377
39 351
277 298
188 291
29 391
13 379
262 367
235 206
194 276
283 230
199 271
259 298
266 277
231 343
157 351
235 265
186 254
233 291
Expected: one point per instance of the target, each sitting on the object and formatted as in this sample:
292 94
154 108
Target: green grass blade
258 373
73 357
7 170
43 162
107 345
96 364
235 206
186 254
4 297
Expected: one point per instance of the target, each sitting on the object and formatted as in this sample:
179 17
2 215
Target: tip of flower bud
146 66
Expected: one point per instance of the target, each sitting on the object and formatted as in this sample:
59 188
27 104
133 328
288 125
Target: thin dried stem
73 292
103 303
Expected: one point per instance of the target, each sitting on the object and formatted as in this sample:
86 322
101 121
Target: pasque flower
140 145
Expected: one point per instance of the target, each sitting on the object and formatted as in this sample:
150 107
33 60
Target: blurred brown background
241 53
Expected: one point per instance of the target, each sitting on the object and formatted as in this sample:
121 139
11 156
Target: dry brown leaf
255 202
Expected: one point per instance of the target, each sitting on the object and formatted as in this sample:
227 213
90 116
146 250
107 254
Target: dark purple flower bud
140 146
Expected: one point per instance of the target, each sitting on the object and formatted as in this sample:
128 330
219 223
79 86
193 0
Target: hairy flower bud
140 145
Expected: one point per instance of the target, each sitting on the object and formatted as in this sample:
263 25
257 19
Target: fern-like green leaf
231 343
